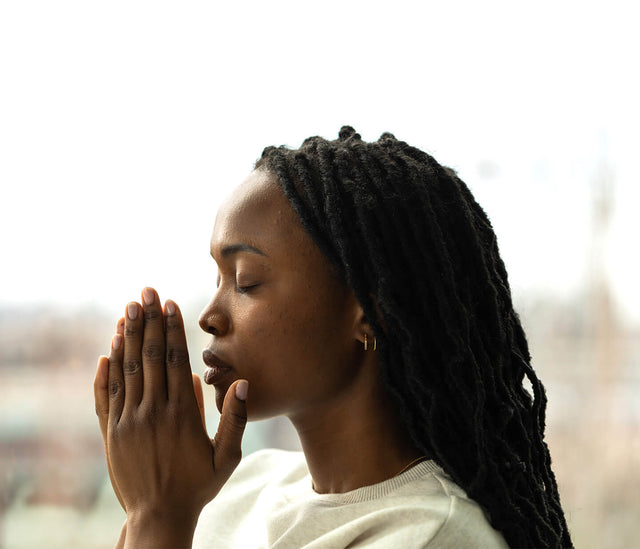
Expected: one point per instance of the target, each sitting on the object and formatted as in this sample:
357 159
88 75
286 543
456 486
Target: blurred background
124 124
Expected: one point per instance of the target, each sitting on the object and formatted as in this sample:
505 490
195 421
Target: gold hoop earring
366 343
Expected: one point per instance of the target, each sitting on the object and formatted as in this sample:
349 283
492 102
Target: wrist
155 529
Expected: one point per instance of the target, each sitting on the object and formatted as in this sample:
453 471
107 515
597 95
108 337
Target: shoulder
463 522
269 501
423 508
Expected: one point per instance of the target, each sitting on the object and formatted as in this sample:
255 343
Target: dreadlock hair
421 256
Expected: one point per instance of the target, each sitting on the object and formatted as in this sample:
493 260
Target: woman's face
279 318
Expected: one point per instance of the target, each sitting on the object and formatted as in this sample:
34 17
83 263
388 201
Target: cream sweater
269 502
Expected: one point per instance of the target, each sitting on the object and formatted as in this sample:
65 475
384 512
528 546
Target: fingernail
116 341
241 390
147 295
169 308
132 311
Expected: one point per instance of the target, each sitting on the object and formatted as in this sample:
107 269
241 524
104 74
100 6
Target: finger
227 443
101 389
116 385
101 394
132 361
120 326
197 389
179 380
153 349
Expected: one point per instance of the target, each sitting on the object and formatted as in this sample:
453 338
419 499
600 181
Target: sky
123 125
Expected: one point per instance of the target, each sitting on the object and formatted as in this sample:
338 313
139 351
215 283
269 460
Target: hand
100 388
163 466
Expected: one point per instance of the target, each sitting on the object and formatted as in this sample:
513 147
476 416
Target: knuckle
177 357
130 330
173 325
150 413
131 367
152 314
173 412
174 420
152 351
115 387
239 419
234 423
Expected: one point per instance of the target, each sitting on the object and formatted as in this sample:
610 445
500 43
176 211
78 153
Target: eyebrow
236 248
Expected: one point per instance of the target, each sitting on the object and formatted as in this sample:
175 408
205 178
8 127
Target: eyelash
245 289
239 289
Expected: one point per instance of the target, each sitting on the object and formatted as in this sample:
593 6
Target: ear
361 325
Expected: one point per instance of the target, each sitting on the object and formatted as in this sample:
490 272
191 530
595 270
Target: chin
220 394
256 410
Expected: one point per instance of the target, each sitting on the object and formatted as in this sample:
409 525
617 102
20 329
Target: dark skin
279 319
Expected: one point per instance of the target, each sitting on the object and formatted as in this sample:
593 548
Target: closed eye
246 289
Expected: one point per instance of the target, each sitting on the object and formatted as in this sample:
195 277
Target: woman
361 294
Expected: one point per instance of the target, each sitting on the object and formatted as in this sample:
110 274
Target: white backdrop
123 124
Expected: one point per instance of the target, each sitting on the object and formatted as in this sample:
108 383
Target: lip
217 369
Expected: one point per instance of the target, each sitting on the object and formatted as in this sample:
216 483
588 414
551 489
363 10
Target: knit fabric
269 502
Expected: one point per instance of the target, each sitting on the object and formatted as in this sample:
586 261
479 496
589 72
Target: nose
213 319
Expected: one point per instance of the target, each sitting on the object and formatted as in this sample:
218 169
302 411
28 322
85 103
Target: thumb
227 444
197 389
101 395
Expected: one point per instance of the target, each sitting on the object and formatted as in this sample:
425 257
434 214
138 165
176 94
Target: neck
355 440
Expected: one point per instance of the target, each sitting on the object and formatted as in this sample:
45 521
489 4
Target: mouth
217 369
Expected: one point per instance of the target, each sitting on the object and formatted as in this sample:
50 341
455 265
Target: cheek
294 351
280 343
277 358
301 349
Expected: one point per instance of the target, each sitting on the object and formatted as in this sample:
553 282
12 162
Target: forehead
257 213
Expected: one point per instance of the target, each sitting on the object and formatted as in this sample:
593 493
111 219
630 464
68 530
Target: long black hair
421 256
